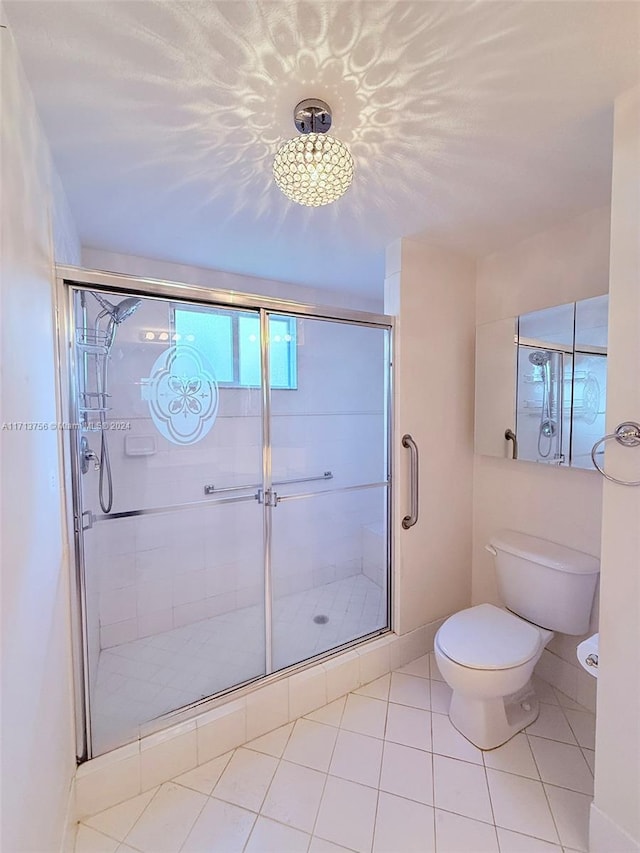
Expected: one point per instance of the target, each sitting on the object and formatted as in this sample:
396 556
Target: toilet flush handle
491 550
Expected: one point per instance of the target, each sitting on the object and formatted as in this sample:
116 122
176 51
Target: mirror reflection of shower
95 344
551 366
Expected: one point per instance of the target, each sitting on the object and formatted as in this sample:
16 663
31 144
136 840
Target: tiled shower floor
380 770
143 679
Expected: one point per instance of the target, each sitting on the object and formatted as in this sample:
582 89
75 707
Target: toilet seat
486 637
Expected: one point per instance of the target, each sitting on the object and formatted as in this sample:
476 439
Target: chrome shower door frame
75 278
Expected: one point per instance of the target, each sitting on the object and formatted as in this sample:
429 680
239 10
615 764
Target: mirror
543 395
541 379
589 379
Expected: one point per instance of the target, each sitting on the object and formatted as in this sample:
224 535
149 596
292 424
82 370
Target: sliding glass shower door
171 448
329 540
230 495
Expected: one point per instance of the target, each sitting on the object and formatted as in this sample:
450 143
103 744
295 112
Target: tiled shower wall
148 574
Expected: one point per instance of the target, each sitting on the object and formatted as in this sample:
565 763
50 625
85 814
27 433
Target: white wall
431 293
38 749
565 264
220 280
568 262
615 817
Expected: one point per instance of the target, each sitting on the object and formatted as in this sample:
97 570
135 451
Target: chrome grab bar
510 435
211 489
158 510
409 520
628 435
277 499
272 499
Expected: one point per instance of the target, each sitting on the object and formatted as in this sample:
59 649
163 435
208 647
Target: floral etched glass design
182 394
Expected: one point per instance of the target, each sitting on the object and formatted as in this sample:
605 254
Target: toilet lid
486 637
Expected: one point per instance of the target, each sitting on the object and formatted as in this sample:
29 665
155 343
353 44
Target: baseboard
605 836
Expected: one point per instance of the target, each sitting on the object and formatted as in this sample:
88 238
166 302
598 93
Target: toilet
486 654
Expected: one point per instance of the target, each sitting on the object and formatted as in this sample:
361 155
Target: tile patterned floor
143 679
381 770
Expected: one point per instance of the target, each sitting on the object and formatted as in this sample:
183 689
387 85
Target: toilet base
488 723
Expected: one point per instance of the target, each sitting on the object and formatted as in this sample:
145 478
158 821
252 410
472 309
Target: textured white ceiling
472 124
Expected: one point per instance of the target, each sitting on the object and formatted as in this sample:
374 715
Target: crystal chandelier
314 168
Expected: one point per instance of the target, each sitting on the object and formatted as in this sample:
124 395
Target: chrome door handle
409 520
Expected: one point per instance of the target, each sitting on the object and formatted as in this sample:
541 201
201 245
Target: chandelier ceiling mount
312 116
314 168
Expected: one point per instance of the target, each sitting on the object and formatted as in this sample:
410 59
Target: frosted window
249 350
282 352
212 335
231 344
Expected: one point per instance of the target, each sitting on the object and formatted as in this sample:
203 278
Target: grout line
548 801
493 814
546 737
253 826
124 841
326 775
531 779
266 793
433 769
467 817
198 766
280 759
384 744
97 831
564 711
204 805
591 770
258 815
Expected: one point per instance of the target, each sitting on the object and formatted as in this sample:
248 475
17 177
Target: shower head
118 313
125 308
539 357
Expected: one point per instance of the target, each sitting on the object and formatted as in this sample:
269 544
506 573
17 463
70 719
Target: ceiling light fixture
314 168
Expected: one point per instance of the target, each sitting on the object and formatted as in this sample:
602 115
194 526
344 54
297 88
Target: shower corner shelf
94 403
91 341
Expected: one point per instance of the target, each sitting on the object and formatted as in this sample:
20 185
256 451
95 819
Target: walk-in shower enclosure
240 448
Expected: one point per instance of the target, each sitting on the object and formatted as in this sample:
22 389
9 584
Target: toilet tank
547 584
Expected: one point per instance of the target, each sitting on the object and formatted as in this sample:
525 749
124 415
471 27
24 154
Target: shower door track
116 283
81 279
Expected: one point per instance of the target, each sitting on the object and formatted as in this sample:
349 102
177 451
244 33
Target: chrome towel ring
627 434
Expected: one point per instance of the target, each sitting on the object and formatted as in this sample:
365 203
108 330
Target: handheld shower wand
548 428
117 314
